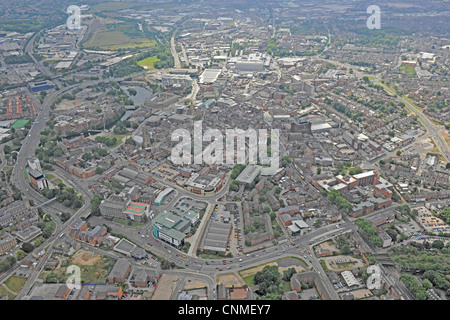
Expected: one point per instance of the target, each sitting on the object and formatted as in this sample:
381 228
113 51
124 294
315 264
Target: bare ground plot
166 284
69 104
282 264
362 293
331 263
446 135
230 279
85 258
327 245
94 267
191 284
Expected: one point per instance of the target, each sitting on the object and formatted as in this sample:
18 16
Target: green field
249 280
125 222
19 124
409 69
15 284
114 40
113 6
148 62
4 292
49 176
116 6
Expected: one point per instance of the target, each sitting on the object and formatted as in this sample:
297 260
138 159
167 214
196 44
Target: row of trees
431 259
66 196
95 204
414 286
343 204
369 231
18 59
6 264
108 141
354 115
110 122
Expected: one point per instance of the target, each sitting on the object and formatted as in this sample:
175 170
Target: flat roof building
41 86
249 174
349 278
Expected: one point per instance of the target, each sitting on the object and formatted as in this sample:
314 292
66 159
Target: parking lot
410 228
431 223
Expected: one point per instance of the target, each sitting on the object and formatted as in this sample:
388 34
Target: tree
273 216
27 247
319 170
318 223
438 244
99 170
427 284
95 204
86 156
20 254
287 274
268 280
346 249
398 152
65 216
167 265
6 264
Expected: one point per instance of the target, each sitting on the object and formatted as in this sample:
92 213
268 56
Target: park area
273 278
11 287
94 267
409 69
148 63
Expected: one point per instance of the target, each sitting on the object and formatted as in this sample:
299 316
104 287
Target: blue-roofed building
41 86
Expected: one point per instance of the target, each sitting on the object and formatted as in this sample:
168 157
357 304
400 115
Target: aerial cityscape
236 150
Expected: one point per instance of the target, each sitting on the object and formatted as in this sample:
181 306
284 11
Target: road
431 128
18 177
173 50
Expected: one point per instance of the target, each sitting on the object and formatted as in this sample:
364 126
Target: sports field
19 124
